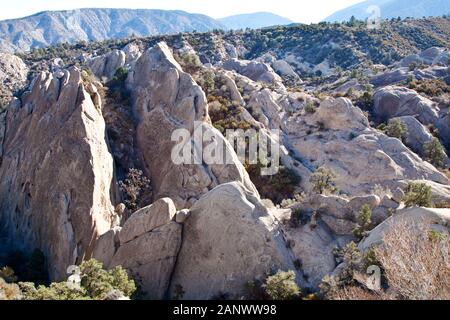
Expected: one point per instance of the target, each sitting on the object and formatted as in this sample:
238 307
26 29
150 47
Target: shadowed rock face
166 99
56 173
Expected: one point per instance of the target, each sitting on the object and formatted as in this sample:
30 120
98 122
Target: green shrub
364 222
365 101
282 286
121 74
310 108
418 195
99 282
434 153
96 284
56 291
396 129
323 180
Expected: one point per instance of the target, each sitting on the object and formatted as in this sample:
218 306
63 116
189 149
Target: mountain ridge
393 9
48 28
254 20
94 24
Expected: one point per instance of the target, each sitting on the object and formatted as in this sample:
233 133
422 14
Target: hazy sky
305 11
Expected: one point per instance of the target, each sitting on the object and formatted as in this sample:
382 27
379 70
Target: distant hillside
254 20
394 9
48 28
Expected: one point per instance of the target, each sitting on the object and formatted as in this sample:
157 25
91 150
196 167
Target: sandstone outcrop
417 135
105 66
229 239
337 136
146 219
257 71
430 56
13 76
410 216
151 258
390 102
166 99
56 173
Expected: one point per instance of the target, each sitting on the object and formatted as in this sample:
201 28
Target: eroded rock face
146 219
257 71
417 135
390 102
166 99
13 75
410 216
56 173
360 156
151 258
443 125
106 246
105 66
229 239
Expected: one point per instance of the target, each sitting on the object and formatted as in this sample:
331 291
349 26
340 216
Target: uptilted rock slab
56 173
166 99
150 259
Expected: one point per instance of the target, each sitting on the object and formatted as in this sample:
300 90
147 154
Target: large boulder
286 70
56 173
13 76
229 239
106 246
390 77
146 219
410 216
314 246
337 114
390 102
362 158
132 53
430 56
265 108
166 99
417 135
105 66
232 88
151 258
255 70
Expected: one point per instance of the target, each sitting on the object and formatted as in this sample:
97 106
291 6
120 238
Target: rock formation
56 173
229 239
166 99
13 76
337 136
398 101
